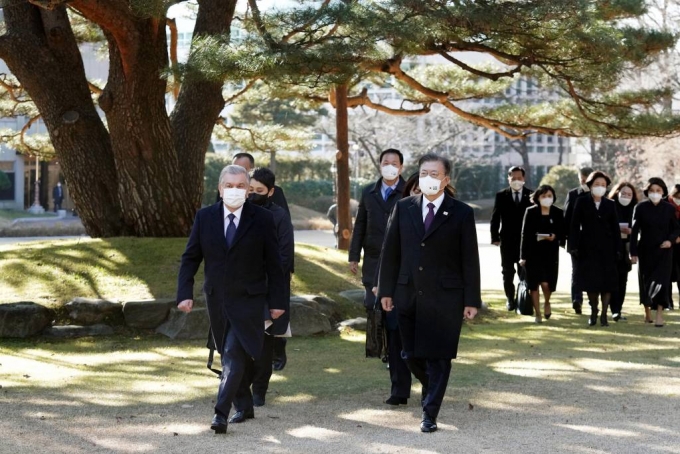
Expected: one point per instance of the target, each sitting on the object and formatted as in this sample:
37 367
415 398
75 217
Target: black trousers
576 294
509 270
236 363
262 372
279 348
434 376
616 302
400 374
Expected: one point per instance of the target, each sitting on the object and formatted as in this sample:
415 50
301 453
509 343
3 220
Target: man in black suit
58 196
506 228
247 161
237 242
429 272
569 204
375 206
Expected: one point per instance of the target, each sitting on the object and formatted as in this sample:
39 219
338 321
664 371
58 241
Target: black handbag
523 298
376 337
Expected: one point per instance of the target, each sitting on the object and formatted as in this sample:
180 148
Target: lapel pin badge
446 213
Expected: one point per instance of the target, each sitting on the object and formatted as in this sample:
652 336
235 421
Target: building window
540 149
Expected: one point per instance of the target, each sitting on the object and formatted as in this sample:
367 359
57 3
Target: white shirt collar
437 203
237 216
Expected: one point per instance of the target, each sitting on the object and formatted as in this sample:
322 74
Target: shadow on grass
516 387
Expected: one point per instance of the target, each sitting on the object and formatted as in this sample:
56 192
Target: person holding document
625 196
542 233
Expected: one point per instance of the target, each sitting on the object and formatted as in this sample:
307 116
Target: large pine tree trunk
40 50
144 176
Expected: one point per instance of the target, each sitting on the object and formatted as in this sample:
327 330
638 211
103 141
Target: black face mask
258 199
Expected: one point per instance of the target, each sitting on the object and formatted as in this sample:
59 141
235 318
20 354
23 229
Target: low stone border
310 315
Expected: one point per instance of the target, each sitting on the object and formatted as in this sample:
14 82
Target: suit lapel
244 223
442 215
416 211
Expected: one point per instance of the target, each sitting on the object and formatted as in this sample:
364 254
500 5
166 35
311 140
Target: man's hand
666 245
276 313
626 230
186 306
633 259
522 262
470 312
387 304
354 267
551 237
496 243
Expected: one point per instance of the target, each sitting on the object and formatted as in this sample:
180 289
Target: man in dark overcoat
569 204
429 272
375 206
506 228
236 240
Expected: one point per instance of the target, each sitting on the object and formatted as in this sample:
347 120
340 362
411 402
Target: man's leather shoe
219 424
428 424
258 401
393 400
510 305
577 307
279 363
241 416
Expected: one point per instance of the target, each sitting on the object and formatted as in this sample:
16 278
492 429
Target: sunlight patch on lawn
609 366
538 369
600 431
316 433
296 398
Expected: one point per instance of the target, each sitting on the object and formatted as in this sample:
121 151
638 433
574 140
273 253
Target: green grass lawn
53 272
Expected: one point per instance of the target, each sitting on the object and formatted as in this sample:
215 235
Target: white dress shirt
437 203
237 218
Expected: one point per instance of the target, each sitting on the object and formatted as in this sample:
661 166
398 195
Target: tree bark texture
342 164
144 176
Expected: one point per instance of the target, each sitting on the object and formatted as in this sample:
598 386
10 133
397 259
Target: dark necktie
231 230
388 191
430 217
516 198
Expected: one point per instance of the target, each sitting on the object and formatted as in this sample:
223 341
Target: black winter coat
506 223
370 226
431 276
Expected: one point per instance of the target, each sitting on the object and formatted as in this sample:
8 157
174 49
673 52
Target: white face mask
516 185
546 201
429 185
677 201
625 201
655 197
389 172
598 191
234 197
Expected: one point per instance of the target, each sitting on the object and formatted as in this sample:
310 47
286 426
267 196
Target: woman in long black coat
542 234
655 222
674 199
595 243
625 197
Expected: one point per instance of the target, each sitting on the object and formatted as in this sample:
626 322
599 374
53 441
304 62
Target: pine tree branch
477 72
236 95
307 24
94 88
364 100
253 137
259 24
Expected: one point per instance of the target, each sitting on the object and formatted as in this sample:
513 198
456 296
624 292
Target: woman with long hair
595 243
655 223
542 233
625 197
674 199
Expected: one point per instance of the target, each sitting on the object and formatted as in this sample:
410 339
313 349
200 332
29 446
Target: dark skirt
543 266
597 272
655 271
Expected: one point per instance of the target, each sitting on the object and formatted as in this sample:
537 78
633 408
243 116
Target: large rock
180 325
23 319
84 311
63 331
326 306
358 324
147 314
306 320
355 295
